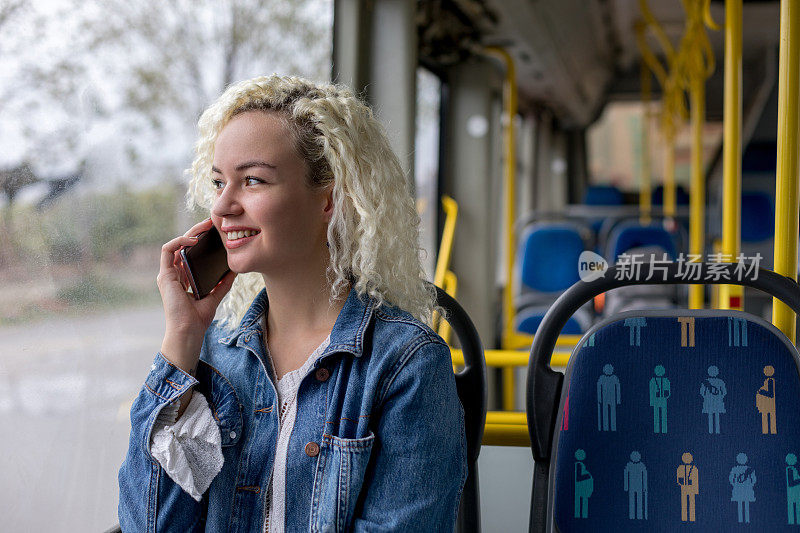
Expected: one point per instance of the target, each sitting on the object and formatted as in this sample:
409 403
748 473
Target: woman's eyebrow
246 165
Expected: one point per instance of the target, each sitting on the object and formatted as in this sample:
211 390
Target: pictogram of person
765 402
636 324
584 485
713 391
636 486
689 481
793 489
659 394
608 397
742 478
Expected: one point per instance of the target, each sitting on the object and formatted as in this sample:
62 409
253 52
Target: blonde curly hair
373 233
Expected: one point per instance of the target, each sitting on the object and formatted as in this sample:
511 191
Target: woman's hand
186 318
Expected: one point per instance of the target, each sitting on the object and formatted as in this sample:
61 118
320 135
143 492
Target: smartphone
205 263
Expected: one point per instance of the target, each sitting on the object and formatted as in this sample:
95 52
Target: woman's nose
226 203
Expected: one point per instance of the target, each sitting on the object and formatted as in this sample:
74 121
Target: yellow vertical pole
697 200
732 296
645 184
450 208
786 187
509 112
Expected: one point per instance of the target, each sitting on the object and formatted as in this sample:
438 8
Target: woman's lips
236 243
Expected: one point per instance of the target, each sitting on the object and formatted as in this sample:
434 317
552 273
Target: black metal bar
471 386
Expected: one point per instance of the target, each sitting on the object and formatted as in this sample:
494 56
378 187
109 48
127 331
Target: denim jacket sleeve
418 466
148 499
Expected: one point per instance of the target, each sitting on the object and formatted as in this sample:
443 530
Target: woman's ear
327 212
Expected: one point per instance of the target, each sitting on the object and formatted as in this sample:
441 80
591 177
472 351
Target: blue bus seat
632 234
602 195
547 257
757 217
681 196
642 296
675 418
528 319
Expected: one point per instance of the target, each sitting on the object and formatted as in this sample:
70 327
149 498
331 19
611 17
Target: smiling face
269 218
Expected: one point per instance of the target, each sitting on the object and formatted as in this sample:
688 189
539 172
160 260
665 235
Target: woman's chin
240 267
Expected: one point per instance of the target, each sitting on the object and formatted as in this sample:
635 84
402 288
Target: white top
190 449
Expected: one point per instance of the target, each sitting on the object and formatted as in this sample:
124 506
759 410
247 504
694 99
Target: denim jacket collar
347 334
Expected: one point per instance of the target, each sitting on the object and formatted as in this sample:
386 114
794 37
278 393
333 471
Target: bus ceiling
574 56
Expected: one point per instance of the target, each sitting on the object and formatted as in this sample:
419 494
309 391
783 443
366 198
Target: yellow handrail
511 358
450 208
693 64
443 277
786 187
673 106
509 185
732 296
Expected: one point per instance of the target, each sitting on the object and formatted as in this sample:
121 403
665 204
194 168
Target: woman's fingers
170 257
199 228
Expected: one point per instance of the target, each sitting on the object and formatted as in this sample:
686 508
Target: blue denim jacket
378 443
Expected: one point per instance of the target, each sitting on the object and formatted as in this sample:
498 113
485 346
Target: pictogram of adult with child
742 478
713 391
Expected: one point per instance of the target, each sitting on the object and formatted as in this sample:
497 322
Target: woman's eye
250 180
217 184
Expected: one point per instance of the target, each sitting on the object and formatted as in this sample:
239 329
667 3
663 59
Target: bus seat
666 419
548 256
602 195
472 392
757 217
715 432
632 234
528 319
681 196
642 296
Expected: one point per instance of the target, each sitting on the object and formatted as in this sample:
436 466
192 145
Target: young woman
319 401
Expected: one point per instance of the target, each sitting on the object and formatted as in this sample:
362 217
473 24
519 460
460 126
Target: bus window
99 103
615 147
426 163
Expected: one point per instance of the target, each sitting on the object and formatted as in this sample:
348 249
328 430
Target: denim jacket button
312 449
323 374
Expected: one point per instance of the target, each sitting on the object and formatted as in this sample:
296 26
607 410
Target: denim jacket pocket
222 401
338 479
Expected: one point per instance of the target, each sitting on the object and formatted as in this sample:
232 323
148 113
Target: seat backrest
548 255
527 320
681 196
602 195
471 386
631 234
678 417
758 216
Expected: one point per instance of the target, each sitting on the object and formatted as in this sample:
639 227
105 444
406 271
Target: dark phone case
205 263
